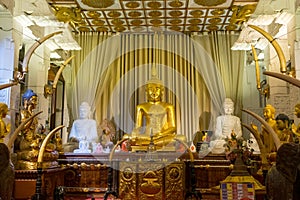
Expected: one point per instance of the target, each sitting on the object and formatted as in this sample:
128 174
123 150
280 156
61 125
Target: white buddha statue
225 125
84 129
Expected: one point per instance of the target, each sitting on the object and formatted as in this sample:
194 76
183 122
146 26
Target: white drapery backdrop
110 75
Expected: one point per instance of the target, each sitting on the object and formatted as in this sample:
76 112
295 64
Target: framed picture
237 191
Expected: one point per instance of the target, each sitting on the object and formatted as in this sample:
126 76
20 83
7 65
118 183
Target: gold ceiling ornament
218 12
136 22
175 13
132 4
82 23
114 14
98 4
117 22
166 10
214 20
197 13
209 2
193 28
231 27
156 21
93 14
241 13
175 28
154 4
175 4
84 29
212 27
175 21
98 22
101 29
194 21
67 14
155 13
134 14
138 29
156 28
120 28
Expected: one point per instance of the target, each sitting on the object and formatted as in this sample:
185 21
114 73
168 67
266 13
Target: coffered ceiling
152 15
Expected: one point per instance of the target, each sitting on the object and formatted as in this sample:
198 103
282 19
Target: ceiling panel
147 15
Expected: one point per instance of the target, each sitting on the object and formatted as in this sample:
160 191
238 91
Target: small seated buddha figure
4 128
108 134
159 119
225 125
31 139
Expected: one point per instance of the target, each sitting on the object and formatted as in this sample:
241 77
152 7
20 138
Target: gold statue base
158 149
138 148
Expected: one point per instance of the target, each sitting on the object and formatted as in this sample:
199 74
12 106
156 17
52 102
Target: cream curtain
230 63
112 70
87 68
183 83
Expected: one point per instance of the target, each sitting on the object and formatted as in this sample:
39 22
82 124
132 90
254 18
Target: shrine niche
56 97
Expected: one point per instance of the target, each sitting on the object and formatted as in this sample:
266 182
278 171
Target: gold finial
154 77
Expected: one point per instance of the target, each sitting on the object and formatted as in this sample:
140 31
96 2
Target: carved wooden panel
127 181
151 180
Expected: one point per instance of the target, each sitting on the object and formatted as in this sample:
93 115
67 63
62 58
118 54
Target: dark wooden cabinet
25 182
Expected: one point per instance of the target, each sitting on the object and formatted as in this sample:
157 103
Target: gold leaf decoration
155 13
209 2
132 4
136 22
134 14
98 4
194 21
93 14
197 13
175 13
154 4
114 14
101 29
176 4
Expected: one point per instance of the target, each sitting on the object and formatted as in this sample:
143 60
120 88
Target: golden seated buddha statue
159 118
31 139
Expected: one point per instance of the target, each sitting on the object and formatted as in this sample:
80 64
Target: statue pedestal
88 173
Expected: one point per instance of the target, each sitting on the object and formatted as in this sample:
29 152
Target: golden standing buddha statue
159 119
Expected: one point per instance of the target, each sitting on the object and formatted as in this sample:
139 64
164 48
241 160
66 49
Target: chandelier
98 3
